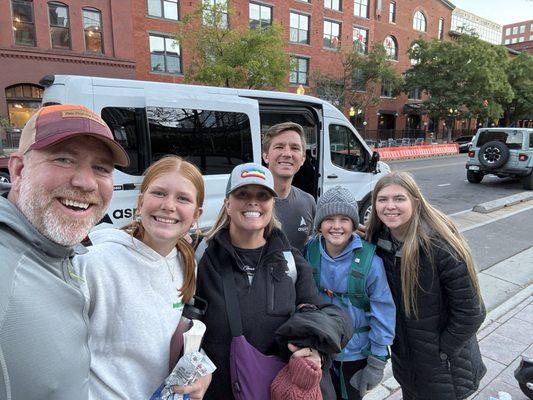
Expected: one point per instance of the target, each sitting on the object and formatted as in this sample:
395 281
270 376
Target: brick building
90 37
519 36
312 28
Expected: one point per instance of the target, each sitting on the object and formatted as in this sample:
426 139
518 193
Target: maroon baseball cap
53 124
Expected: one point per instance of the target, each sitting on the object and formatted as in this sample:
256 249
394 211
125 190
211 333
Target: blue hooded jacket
382 316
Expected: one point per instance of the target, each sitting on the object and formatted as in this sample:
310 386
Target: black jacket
435 356
265 304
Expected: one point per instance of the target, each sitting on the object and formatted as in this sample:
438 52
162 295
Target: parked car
504 152
464 143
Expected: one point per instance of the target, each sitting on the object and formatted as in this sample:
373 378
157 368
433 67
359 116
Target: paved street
502 245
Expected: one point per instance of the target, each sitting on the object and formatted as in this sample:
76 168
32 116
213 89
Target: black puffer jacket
435 356
265 304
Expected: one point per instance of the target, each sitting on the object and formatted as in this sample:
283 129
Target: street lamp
300 90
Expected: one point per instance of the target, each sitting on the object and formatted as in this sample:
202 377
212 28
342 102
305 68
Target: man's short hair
278 129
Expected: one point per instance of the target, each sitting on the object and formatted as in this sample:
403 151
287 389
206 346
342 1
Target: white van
217 129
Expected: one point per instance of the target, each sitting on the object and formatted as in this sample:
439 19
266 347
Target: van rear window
215 141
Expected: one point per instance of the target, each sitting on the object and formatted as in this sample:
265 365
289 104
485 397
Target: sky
500 11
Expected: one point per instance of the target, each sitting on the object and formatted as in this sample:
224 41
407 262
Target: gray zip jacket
43 324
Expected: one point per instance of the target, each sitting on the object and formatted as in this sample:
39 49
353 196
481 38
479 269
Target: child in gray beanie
349 274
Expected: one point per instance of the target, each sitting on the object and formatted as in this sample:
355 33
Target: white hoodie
134 307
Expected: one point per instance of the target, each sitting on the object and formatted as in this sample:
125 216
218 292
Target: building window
299 25
332 34
59 25
522 28
92 26
419 21
23 22
530 37
414 48
358 80
260 16
360 8
391 47
333 4
441 28
415 94
165 54
392 12
360 39
299 70
507 41
22 102
515 30
386 89
216 13
508 31
520 39
167 9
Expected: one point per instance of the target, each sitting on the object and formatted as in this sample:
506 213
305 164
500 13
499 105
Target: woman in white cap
270 279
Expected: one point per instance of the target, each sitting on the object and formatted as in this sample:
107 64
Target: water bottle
194 309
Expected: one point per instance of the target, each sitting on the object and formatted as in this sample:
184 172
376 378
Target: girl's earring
137 217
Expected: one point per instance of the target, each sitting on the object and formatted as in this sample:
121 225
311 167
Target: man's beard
37 204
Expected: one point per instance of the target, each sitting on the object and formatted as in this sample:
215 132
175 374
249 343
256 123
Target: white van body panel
99 93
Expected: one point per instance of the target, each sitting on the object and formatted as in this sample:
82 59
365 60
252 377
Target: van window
345 149
123 123
215 141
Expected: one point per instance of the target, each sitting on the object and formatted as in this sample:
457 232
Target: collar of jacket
388 243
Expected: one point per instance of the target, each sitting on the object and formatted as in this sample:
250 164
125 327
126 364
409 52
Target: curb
508 201
506 306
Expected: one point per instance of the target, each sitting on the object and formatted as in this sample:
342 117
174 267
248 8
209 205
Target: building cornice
448 4
33 54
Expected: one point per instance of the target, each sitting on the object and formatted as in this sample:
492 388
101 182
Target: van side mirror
372 165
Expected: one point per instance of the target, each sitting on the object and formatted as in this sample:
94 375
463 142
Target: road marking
444 184
430 166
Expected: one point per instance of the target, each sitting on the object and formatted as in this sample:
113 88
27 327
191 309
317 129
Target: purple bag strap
232 304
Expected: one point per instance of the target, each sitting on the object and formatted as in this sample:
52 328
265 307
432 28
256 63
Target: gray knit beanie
337 200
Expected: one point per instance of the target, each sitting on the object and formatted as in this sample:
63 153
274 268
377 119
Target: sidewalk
507 332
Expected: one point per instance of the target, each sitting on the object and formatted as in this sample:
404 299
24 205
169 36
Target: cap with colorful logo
54 124
250 174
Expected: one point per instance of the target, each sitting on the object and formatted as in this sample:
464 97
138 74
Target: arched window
419 21
59 25
22 101
391 47
92 27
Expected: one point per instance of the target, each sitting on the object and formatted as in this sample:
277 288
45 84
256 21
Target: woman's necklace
250 270
169 270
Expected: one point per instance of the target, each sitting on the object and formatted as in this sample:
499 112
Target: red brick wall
25 64
321 59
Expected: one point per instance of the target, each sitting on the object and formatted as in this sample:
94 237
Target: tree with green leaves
520 76
465 78
359 83
237 57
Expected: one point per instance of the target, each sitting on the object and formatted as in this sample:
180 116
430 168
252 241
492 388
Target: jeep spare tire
493 154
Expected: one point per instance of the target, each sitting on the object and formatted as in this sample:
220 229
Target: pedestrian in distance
431 274
247 245
284 150
349 274
61 187
136 280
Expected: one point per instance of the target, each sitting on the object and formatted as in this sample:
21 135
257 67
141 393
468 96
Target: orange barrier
398 153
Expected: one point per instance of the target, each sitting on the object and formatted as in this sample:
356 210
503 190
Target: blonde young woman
136 280
431 275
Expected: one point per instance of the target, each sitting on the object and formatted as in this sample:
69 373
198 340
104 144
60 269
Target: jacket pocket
281 293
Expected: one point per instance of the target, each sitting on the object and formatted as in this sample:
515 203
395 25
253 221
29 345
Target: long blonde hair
426 224
189 171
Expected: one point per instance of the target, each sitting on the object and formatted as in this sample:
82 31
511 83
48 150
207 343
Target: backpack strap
361 263
312 256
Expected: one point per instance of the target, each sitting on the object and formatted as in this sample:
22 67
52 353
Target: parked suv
504 152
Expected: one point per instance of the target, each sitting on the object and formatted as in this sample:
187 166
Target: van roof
114 82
